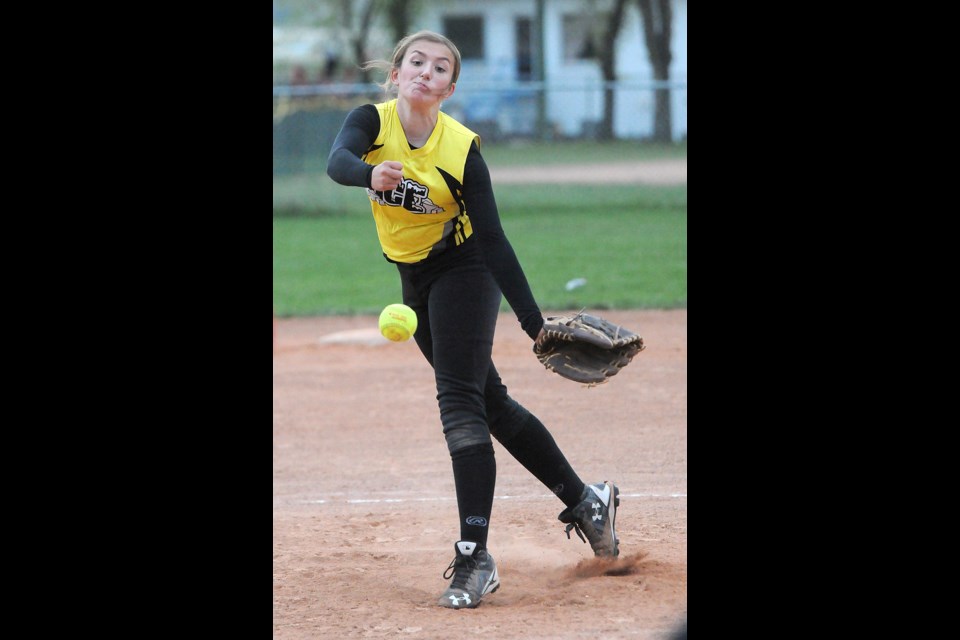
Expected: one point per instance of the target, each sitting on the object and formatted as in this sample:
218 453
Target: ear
450 90
393 75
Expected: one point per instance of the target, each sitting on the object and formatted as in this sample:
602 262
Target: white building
496 42
497 92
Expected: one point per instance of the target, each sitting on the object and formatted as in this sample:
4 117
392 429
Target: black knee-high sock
538 452
475 476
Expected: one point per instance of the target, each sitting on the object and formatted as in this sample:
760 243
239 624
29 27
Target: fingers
386 176
538 343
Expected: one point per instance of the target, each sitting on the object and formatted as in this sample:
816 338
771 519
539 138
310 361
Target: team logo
409 194
477 521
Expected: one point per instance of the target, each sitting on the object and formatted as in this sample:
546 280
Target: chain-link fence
307 118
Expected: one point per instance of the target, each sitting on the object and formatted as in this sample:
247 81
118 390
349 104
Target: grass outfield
629 242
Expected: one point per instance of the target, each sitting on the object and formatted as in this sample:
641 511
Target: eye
441 70
416 63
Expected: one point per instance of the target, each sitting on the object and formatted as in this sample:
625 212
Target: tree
657 18
608 64
359 34
399 15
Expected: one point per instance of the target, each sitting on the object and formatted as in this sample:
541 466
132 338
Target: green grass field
629 242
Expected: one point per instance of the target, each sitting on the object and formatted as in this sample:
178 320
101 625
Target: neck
417 124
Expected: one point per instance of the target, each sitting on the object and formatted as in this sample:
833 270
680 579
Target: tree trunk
398 16
657 20
360 40
539 71
608 68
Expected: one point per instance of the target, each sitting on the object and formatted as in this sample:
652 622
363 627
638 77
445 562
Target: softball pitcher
437 221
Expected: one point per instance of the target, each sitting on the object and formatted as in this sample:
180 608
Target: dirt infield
652 172
363 499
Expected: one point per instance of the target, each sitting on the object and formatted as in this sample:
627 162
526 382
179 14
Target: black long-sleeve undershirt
344 166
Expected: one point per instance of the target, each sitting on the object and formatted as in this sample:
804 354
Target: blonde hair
401 50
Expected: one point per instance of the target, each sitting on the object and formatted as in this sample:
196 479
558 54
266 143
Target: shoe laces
577 520
576 527
460 569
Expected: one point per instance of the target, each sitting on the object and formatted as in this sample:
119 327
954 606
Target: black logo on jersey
456 189
409 194
459 224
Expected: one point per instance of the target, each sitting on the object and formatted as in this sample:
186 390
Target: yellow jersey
425 214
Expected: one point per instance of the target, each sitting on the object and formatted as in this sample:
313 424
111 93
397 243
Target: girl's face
426 73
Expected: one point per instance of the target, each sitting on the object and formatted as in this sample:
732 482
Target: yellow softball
398 322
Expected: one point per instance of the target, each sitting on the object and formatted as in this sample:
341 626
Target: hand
386 176
539 341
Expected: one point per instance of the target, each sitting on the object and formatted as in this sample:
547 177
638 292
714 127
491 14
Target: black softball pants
457 303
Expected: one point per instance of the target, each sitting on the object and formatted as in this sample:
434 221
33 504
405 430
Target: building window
524 49
581 35
467 33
